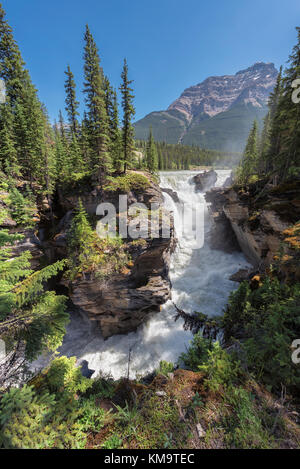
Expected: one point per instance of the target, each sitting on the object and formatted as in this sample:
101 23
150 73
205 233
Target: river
200 282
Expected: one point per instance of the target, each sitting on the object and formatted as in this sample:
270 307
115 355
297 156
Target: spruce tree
29 314
287 120
8 153
151 154
248 165
28 123
71 103
128 113
97 114
273 135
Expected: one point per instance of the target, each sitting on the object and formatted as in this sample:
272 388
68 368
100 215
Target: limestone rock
256 219
172 194
205 181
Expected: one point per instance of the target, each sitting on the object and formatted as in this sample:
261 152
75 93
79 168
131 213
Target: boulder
229 181
172 194
205 181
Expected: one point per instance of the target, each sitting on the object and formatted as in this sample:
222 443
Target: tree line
96 145
169 156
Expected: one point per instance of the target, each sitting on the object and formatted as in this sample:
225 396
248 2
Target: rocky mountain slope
216 113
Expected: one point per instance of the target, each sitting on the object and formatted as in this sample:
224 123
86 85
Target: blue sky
169 44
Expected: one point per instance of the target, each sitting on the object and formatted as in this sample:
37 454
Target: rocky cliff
255 219
118 304
216 113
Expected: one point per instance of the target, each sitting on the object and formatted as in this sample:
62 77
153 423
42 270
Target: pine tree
151 154
8 153
264 145
116 136
248 165
81 241
273 133
128 113
28 123
97 114
29 314
84 140
71 103
11 63
287 121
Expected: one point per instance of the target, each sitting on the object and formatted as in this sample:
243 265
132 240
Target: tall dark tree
274 123
28 124
128 113
248 166
151 154
287 120
8 153
97 114
71 103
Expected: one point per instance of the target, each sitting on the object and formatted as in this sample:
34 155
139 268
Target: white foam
200 282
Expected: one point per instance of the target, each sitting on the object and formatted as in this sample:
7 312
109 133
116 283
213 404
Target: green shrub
64 376
29 420
22 209
221 369
197 353
165 368
266 321
113 442
92 416
128 182
244 426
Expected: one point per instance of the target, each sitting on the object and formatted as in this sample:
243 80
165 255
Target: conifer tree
29 314
81 241
71 103
8 153
84 140
116 136
97 114
28 123
128 113
151 154
273 133
287 121
248 165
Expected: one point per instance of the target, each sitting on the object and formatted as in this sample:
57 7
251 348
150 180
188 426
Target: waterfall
200 282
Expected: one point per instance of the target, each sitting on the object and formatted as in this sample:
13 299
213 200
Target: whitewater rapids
200 282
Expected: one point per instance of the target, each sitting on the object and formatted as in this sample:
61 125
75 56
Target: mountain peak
218 93
216 113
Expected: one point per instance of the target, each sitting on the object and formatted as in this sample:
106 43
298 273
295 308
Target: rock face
256 220
172 194
205 181
215 113
217 94
120 303
229 181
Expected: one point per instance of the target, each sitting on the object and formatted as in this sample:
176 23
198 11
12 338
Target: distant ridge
217 113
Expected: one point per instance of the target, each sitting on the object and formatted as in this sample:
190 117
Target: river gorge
200 282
